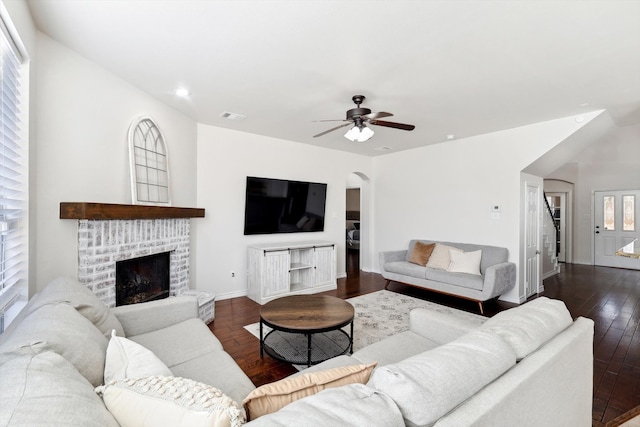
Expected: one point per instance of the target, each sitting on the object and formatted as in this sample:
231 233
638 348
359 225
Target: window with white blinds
13 173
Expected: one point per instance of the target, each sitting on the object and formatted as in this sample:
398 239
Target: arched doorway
357 223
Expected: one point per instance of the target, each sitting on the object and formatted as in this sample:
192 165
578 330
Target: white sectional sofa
494 274
528 366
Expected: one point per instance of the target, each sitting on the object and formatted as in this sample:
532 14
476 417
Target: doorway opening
353 231
356 224
560 197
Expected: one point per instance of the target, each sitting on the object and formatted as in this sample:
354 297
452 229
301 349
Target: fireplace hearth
143 279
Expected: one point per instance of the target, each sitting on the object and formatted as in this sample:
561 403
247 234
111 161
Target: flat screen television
282 206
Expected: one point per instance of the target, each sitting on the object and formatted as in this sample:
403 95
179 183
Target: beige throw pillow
465 262
169 401
421 253
440 258
271 397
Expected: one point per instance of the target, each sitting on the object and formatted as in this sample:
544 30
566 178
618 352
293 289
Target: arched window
149 163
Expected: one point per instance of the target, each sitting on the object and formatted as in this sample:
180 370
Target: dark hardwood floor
609 296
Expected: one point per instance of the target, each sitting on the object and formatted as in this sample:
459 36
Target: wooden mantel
104 211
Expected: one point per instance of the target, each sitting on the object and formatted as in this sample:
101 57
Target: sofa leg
481 307
386 285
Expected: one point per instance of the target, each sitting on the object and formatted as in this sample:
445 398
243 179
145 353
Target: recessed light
584 105
182 92
450 137
383 148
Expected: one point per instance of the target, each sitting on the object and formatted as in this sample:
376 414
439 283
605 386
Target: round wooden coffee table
306 329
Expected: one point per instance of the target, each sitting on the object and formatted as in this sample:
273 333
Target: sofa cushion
188 347
420 253
128 359
60 328
274 396
394 348
169 401
349 405
427 386
45 389
69 291
440 258
224 373
405 268
465 262
162 342
527 327
469 281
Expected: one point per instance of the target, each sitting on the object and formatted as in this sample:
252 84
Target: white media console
280 269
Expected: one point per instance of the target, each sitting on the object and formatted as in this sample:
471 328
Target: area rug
381 314
628 419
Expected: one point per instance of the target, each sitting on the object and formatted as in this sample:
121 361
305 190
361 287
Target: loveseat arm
150 316
498 279
438 327
391 256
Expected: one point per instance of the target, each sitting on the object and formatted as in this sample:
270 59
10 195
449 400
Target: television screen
282 206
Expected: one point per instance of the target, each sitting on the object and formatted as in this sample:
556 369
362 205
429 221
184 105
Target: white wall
445 191
84 113
611 164
225 159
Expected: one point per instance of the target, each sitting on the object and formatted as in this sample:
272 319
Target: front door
532 240
615 226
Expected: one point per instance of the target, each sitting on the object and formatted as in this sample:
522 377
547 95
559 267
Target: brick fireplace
111 233
102 243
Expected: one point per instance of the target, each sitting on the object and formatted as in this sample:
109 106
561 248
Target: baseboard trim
229 295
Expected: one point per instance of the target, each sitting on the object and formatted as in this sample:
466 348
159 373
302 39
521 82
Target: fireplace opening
143 279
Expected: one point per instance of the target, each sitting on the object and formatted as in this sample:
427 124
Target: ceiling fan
358 118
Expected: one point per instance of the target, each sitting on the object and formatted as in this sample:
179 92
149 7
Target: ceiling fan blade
336 120
392 125
332 129
379 115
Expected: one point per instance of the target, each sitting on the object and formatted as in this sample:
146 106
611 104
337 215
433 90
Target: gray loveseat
497 274
531 365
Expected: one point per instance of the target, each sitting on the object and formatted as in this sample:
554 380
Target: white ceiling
448 67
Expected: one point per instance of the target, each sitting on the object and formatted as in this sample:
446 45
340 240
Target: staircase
549 250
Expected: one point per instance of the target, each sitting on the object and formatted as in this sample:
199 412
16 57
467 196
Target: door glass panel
609 212
629 215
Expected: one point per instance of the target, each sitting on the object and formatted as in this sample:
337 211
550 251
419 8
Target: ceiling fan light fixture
365 134
359 134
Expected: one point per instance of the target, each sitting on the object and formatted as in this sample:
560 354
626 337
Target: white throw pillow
440 257
169 401
128 359
465 262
